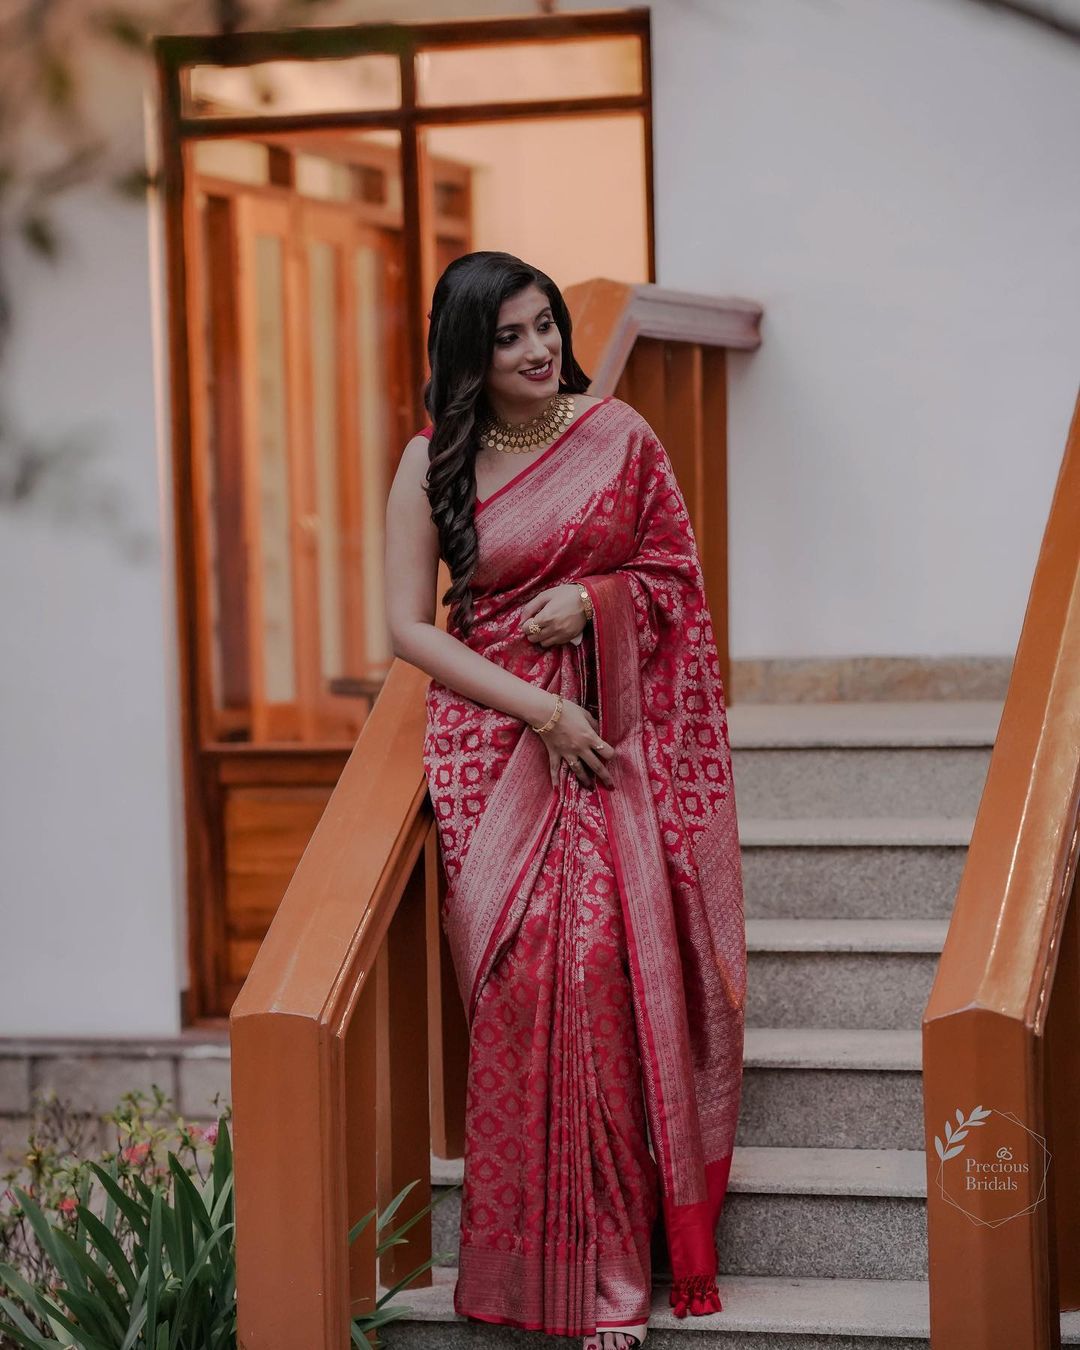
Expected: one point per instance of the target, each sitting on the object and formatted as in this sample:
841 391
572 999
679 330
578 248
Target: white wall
91 919
895 183
899 186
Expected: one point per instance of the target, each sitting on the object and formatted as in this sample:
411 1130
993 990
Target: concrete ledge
920 723
874 831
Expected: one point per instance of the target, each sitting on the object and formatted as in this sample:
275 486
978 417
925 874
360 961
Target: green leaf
123 27
395 1289
119 1198
57 80
395 1204
360 1225
21 1327
153 1266
108 1244
136 182
396 1236
108 1299
195 1200
46 1236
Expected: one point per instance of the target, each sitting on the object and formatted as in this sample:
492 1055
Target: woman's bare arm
411 579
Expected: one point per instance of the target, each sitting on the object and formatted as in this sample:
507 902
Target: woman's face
527 356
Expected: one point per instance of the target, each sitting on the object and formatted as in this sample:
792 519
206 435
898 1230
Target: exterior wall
895 183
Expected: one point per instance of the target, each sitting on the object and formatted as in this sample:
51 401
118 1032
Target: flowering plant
133 1253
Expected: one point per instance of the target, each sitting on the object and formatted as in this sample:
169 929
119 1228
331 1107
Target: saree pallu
597 934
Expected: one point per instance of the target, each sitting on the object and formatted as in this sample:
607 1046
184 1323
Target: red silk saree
597 934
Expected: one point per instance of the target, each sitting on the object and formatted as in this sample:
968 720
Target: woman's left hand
559 612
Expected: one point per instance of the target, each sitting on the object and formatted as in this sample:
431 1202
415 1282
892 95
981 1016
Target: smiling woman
578 762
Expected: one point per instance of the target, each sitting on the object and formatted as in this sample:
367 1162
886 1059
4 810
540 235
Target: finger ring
532 627
598 745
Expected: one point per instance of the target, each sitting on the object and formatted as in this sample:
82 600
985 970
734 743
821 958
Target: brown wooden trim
254 125
996 998
417 264
650 158
243 49
196 844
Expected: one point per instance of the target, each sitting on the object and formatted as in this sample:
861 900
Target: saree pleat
597 935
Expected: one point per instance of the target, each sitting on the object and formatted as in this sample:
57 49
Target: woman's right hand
575 738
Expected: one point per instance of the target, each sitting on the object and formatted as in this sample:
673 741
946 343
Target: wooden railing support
405 1114
1001 1030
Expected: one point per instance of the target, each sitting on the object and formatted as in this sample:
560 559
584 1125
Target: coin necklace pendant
517 438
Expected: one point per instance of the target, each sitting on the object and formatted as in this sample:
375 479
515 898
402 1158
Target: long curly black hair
461 344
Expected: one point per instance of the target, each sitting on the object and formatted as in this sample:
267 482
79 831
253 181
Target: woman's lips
543 374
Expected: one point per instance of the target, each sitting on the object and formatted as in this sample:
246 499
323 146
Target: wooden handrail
351 1009
1001 1028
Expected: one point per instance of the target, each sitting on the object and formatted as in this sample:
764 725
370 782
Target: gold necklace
518 437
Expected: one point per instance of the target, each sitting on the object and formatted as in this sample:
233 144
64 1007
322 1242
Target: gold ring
532 627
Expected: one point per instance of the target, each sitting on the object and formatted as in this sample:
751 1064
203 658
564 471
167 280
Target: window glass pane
275 562
329 179
348 84
373 318
518 71
322 274
240 161
596 225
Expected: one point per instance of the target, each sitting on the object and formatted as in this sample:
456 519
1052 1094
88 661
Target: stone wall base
92 1075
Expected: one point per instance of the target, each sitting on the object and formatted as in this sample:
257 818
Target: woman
578 761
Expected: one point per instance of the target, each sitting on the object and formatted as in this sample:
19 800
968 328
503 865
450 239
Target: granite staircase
854 820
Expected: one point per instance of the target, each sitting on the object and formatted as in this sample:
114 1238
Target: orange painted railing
1001 1031
349 1045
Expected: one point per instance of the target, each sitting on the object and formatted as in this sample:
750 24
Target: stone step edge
916 724
857 1049
846 935
891 1173
854 831
764 1304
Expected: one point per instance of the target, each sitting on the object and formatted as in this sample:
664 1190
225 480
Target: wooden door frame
174 56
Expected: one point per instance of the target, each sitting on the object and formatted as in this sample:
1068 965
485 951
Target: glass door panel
305 409
510 171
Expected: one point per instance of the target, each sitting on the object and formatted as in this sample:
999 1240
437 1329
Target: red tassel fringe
696 1294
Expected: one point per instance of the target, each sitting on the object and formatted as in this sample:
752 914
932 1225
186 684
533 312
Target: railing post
1063 1109
360 1126
990 1280
404 1131
449 1033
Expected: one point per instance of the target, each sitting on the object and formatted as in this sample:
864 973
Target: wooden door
303 389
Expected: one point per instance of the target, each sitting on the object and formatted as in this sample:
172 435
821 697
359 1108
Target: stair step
841 880
831 1088
794 1171
870 973
917 722
855 831
759 1312
800 1212
789 784
828 1048
829 1171
846 935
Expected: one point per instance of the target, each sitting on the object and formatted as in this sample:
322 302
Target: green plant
156 1269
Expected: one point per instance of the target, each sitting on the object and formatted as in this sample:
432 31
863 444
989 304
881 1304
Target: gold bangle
554 716
586 601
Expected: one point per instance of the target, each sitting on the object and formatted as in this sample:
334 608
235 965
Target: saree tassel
695 1294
